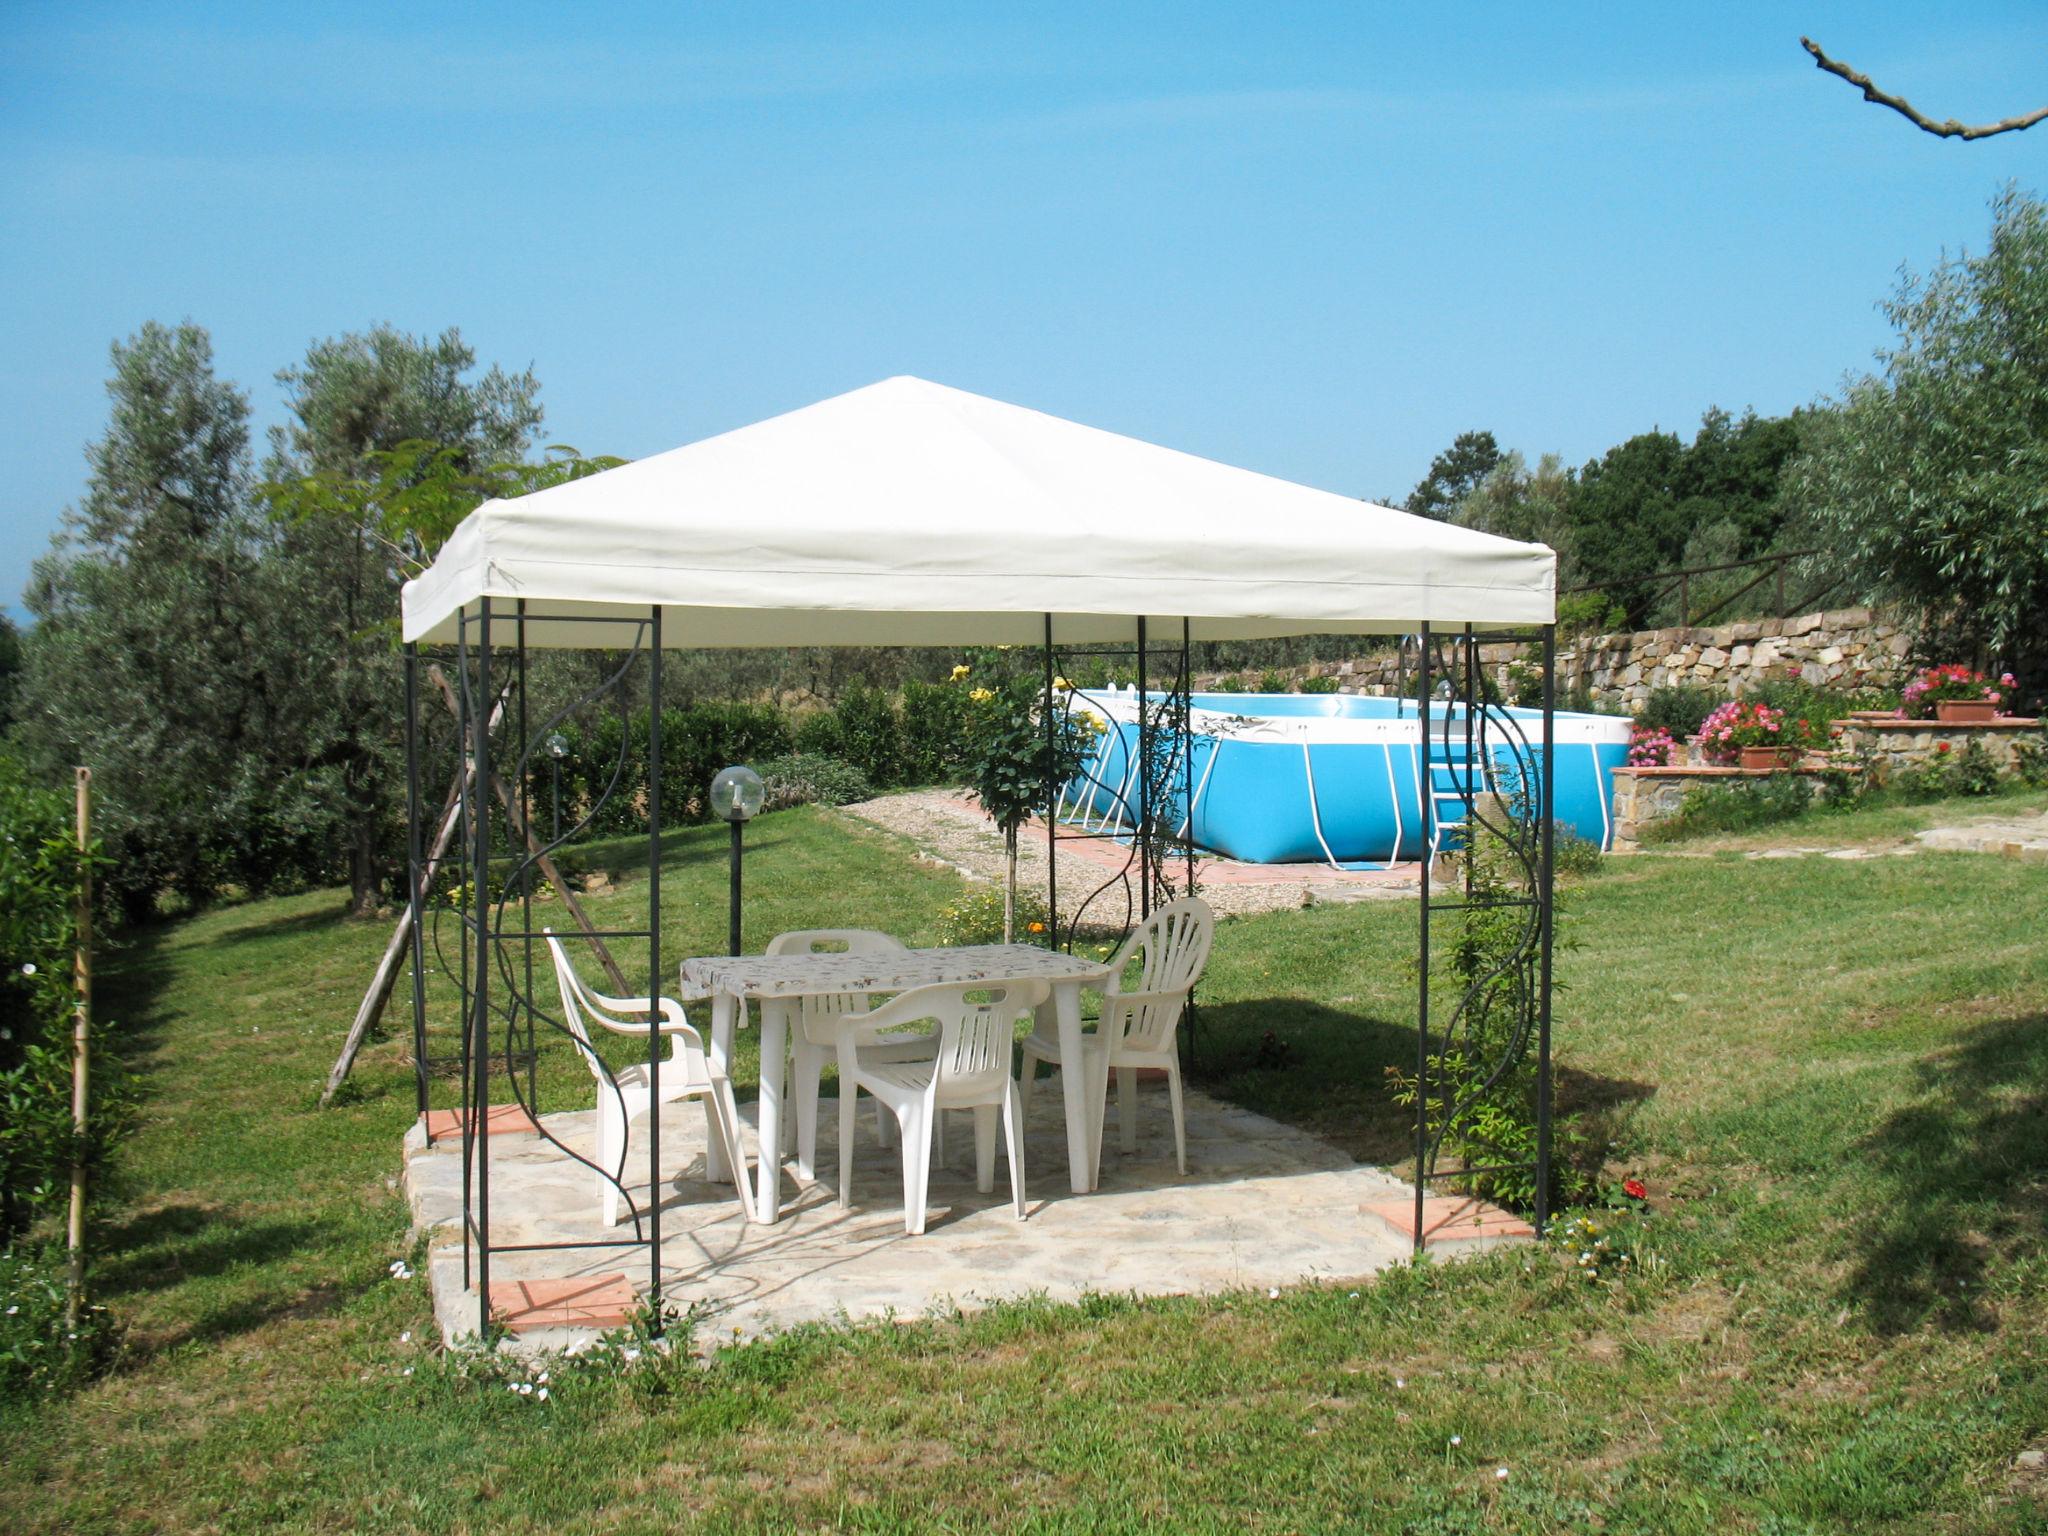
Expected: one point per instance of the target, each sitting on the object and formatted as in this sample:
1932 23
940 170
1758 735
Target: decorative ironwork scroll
512 1021
1135 789
1483 984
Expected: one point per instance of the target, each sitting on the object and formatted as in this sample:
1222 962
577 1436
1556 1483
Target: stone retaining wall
1845 648
1914 743
1645 796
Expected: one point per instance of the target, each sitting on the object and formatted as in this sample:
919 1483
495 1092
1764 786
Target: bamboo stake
81 1030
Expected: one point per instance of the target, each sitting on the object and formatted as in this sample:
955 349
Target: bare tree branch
1912 114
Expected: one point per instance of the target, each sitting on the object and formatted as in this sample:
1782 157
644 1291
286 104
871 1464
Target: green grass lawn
1834 1076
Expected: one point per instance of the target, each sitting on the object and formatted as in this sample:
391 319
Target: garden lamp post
558 748
736 795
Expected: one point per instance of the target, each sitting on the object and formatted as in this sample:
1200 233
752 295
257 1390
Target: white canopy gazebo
907 513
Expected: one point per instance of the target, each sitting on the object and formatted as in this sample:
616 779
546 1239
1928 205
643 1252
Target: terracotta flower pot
1763 759
1964 711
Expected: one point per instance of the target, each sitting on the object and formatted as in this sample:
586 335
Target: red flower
1635 1189
1940 747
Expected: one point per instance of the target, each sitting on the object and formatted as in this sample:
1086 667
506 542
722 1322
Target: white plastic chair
687 1072
971 1070
815 1033
1137 1029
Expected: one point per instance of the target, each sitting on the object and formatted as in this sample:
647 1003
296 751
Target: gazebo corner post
526 875
654 977
1053 794
479 908
1546 871
1187 757
1422 792
1144 819
466 863
1185 722
415 940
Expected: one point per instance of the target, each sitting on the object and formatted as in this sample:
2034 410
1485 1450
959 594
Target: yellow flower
1061 684
981 695
961 671
1038 927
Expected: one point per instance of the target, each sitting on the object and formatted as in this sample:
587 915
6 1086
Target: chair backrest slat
1173 945
833 941
977 1029
574 1001
1171 949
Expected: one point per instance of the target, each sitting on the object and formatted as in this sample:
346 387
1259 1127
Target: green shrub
1976 771
1736 808
696 741
1272 682
2030 760
935 732
1489 1075
39 876
1818 707
1318 685
1227 685
1573 856
1971 771
1678 709
39 1352
803 779
1851 778
1590 613
870 735
817 735
977 918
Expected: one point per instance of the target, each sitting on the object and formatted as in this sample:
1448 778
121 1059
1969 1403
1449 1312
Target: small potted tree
1014 756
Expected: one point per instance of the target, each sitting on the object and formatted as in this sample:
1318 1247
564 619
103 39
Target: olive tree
1927 481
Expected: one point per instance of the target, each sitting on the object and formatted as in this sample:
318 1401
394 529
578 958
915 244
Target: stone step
499 1120
1451 1224
586 1301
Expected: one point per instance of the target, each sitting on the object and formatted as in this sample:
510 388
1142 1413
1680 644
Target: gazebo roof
907 513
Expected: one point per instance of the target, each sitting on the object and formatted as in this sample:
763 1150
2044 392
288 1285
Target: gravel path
948 828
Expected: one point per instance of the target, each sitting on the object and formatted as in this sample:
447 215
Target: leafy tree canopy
1927 482
1454 474
140 663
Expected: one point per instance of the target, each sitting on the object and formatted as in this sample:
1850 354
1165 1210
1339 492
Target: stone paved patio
1261 1205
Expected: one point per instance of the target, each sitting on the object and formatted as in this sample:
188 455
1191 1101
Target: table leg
724 1018
1075 1082
774 1045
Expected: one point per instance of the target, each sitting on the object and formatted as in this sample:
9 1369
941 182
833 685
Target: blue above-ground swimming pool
1284 778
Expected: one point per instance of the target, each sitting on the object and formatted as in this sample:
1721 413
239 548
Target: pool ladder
1455 781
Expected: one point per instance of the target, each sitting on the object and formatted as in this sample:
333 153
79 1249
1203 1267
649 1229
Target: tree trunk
363 886
1010 886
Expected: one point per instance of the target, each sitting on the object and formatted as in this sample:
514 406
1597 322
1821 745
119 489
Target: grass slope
1832 1074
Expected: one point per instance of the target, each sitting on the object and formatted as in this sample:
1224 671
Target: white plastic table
776 982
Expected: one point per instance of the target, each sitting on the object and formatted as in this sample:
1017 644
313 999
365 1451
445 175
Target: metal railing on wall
1773 568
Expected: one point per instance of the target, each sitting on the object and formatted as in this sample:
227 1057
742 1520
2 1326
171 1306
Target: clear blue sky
1318 240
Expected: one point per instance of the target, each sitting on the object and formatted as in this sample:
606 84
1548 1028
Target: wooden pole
386 976
81 1031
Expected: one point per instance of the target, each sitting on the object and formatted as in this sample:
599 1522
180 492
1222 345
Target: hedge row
889 740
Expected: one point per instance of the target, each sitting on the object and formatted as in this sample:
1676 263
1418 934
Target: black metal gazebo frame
1462 719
